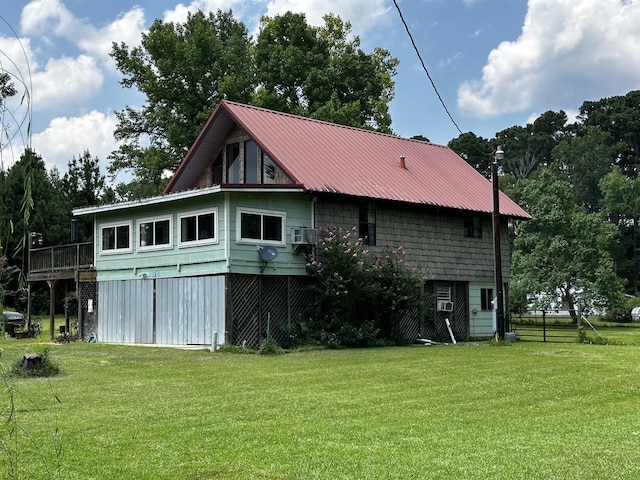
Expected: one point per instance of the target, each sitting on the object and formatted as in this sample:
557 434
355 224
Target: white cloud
66 137
45 18
363 14
569 51
179 13
66 82
127 28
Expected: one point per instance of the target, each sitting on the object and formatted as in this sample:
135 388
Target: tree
183 70
562 256
619 116
585 159
621 202
530 146
320 72
83 185
475 150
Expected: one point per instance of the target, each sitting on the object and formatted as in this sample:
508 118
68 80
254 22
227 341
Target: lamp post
498 154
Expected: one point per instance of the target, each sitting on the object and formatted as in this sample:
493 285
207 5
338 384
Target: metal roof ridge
325 122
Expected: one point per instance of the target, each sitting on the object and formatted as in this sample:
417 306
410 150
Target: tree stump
31 361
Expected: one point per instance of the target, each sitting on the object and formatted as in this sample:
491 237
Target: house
218 253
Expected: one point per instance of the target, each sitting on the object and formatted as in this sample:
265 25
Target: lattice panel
88 291
245 308
460 324
266 306
276 324
410 324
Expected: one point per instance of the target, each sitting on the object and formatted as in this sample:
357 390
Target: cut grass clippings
471 411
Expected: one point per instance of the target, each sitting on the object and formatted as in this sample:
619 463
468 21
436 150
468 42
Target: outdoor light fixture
498 154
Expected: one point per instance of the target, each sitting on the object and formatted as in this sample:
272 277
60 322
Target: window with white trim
198 227
443 293
486 299
261 227
154 233
115 238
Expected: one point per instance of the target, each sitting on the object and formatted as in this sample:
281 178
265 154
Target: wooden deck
73 261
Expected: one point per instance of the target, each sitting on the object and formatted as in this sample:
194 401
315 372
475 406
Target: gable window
486 299
233 163
198 227
473 227
250 162
154 233
268 169
367 223
261 227
116 238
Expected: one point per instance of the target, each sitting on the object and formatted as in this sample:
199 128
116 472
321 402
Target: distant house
219 251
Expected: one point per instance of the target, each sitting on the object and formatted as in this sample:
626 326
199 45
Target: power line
424 67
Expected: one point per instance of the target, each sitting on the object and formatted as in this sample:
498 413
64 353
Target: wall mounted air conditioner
304 236
444 306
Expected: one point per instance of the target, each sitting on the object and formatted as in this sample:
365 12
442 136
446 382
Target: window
262 227
198 227
443 293
367 223
473 227
268 169
486 299
233 163
116 238
250 162
154 233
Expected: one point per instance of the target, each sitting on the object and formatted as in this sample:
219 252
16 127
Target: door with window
481 314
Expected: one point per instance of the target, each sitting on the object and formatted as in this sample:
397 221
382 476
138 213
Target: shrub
270 348
361 295
35 365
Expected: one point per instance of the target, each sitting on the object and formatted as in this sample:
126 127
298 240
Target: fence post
544 326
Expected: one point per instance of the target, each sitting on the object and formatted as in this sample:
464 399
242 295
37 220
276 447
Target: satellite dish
268 254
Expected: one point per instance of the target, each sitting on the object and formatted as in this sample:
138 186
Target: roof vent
402 162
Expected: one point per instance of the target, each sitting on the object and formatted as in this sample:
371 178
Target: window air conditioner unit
304 236
444 306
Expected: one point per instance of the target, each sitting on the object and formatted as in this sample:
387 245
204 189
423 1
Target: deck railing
63 257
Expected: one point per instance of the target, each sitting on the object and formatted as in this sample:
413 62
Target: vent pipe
403 164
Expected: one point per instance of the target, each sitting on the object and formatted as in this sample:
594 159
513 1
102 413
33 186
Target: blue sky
495 63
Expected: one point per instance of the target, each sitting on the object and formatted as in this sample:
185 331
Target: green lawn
475 411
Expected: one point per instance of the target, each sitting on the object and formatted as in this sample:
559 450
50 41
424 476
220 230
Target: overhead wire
424 67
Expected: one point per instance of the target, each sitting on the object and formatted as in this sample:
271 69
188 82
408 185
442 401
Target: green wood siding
220 256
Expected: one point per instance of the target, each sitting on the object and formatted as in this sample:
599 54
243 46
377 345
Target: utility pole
498 154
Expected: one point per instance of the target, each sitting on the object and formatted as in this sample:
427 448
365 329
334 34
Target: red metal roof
324 157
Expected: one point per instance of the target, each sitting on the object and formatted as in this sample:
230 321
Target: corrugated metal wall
189 310
125 311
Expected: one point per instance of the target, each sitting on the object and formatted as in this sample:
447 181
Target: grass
475 411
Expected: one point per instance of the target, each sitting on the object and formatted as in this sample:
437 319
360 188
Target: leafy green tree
530 146
84 186
562 256
619 116
621 200
320 72
34 202
475 150
586 159
183 69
